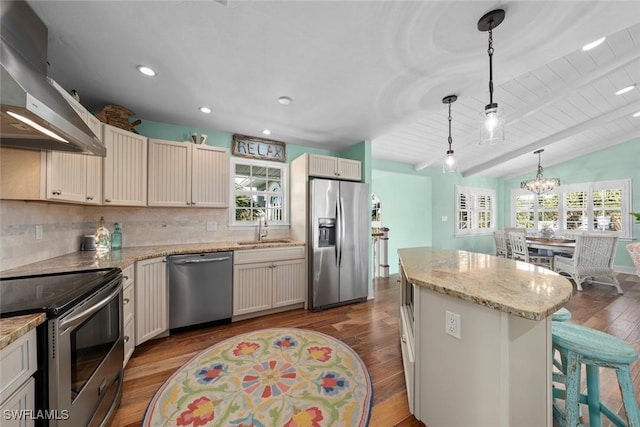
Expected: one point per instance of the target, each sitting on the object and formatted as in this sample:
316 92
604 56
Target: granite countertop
125 257
11 328
513 287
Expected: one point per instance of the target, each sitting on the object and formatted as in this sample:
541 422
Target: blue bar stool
579 346
561 315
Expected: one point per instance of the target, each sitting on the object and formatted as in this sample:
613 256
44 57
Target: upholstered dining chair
500 239
520 251
634 251
592 259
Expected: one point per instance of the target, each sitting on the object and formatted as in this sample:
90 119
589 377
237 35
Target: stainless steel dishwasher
200 288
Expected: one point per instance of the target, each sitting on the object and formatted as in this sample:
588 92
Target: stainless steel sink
264 242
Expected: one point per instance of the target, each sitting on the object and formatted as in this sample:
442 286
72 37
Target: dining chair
592 259
508 230
500 239
634 251
520 251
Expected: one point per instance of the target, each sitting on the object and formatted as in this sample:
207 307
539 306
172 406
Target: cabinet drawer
18 361
127 276
128 303
129 341
270 254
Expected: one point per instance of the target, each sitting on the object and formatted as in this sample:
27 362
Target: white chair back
500 240
519 246
508 230
595 251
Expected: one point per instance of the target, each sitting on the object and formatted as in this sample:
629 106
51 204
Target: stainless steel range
80 346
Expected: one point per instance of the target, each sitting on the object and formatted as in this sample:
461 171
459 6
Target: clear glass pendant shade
449 165
491 125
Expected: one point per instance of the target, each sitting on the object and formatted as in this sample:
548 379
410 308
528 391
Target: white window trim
588 187
284 167
474 192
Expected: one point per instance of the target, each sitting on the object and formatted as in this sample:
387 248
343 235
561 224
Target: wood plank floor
371 329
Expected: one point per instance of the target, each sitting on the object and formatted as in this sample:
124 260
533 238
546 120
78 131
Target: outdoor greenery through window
259 190
595 206
475 211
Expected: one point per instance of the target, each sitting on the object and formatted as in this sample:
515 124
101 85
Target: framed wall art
258 148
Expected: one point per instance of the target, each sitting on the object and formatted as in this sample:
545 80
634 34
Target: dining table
553 244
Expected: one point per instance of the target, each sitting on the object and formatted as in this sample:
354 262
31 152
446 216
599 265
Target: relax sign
257 148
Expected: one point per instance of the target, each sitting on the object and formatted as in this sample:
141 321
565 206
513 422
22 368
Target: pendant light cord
490 52
450 139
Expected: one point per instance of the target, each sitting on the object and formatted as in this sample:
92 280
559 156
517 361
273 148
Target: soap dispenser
102 237
116 237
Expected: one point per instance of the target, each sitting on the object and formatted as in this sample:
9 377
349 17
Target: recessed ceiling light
285 100
266 132
637 114
591 45
205 110
146 70
625 89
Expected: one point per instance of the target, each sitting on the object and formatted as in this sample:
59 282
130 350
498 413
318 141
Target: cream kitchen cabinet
74 177
268 279
187 175
17 389
125 168
128 312
334 167
151 299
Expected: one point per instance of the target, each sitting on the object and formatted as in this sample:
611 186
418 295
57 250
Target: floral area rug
270 377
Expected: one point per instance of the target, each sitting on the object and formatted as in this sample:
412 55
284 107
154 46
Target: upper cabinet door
169 173
324 166
210 177
93 165
65 176
349 169
125 168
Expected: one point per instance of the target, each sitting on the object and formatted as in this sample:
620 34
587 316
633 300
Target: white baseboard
624 269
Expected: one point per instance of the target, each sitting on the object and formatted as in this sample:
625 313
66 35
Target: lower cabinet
128 313
151 299
268 279
17 390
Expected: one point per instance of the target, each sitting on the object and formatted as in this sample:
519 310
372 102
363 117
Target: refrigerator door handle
340 236
338 245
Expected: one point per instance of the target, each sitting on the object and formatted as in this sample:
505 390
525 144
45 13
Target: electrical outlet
445 218
212 226
38 232
452 324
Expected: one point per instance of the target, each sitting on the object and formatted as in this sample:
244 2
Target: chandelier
450 165
540 184
492 121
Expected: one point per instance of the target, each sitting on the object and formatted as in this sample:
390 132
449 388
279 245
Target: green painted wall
621 161
405 201
172 132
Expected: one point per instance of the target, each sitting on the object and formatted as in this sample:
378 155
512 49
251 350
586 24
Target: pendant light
540 184
450 165
492 122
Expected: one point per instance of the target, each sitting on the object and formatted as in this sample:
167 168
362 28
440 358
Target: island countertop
513 287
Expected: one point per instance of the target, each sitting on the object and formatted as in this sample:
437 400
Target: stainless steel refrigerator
339 237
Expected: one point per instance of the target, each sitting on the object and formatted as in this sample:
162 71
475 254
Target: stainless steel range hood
34 114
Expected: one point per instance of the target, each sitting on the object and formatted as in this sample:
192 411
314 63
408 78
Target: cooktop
52 293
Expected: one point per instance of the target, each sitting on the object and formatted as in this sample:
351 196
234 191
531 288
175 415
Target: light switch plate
445 218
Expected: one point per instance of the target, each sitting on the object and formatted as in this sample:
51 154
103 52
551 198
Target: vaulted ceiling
363 70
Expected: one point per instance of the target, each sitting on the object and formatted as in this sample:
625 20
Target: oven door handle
76 319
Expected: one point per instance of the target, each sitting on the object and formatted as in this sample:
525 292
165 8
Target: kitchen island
476 337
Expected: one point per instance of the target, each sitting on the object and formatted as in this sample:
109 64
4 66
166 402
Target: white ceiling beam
556 160
552 139
620 62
